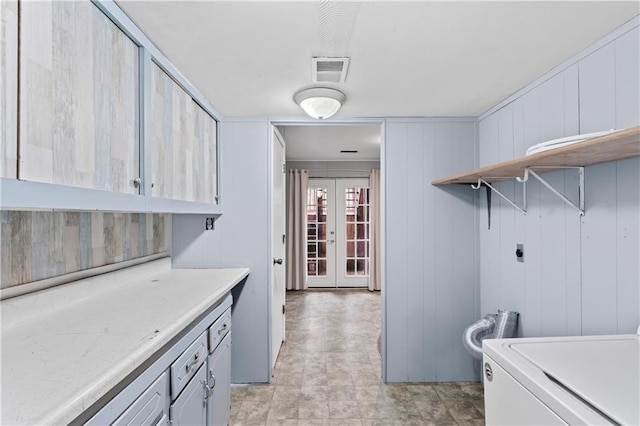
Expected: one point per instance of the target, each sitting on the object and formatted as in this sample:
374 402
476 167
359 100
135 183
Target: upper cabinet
8 89
95 117
183 139
78 98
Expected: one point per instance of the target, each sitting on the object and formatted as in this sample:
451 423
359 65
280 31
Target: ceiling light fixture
320 102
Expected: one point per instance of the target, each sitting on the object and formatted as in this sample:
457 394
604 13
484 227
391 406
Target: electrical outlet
208 224
520 252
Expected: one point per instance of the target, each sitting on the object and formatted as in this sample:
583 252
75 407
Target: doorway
339 152
338 233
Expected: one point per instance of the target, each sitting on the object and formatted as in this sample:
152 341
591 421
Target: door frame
275 121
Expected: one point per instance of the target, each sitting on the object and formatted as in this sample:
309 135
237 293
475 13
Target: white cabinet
219 376
187 364
189 384
191 406
151 408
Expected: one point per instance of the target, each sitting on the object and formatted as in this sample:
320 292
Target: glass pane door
352 233
321 233
338 233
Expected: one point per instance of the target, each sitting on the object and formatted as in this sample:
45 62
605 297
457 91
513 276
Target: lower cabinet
151 408
219 365
190 408
193 387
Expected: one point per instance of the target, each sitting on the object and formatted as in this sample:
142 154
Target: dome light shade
320 102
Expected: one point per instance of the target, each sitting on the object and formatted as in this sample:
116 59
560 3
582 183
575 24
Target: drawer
150 407
187 364
219 329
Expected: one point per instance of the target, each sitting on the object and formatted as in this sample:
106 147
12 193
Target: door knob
278 261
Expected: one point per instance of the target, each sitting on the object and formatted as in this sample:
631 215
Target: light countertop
64 348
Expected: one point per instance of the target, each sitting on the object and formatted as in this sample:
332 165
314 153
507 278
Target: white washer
562 380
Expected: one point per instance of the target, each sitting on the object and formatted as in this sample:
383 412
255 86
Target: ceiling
324 143
408 59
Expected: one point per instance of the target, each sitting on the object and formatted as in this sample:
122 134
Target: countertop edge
107 381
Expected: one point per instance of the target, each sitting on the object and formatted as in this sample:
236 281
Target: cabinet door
220 382
79 98
184 143
150 408
191 406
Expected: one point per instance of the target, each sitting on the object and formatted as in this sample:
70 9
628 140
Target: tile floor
328 373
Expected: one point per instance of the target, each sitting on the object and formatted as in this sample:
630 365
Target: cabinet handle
207 389
213 379
137 182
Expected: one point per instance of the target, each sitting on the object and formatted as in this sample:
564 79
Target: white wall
580 275
432 285
240 238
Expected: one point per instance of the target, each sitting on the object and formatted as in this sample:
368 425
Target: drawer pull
222 329
192 365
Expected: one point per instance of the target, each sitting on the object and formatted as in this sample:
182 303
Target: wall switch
520 252
208 224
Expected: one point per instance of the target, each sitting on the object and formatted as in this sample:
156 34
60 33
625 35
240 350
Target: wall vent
329 70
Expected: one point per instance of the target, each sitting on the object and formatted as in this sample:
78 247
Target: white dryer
588 380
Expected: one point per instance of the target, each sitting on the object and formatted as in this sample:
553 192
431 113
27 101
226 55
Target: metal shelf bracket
522 210
580 207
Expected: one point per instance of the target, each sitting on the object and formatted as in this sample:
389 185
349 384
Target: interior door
278 211
338 233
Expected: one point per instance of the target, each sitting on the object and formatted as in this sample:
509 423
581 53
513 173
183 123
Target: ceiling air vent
329 70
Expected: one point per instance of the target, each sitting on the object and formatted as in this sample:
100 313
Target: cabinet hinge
283 309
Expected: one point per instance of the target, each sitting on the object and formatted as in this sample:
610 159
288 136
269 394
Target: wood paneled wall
8 89
183 138
432 285
43 244
240 239
580 274
78 98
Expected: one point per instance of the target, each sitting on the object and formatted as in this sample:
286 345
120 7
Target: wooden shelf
614 146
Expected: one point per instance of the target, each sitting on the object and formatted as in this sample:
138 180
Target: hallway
328 373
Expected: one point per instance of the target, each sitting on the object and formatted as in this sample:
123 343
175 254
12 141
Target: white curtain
374 226
296 239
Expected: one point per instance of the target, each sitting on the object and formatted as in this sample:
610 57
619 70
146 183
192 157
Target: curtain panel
296 239
375 248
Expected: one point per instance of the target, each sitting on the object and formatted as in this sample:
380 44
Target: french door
338 233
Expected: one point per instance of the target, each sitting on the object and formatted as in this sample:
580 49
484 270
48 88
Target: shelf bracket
580 207
523 210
